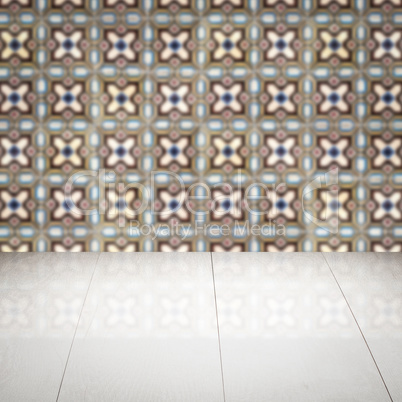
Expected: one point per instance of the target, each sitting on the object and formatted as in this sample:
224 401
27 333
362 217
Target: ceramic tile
213 91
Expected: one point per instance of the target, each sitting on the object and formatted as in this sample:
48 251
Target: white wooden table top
200 327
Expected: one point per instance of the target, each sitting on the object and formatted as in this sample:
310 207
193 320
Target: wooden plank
287 333
41 296
148 332
372 284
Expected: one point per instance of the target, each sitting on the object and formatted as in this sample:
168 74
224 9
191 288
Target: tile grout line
217 325
75 332
358 326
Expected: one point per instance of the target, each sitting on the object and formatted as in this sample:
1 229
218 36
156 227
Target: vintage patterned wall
215 91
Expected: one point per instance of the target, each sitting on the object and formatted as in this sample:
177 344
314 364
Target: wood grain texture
41 296
148 332
287 333
372 284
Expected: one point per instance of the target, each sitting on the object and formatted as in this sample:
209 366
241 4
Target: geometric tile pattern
270 92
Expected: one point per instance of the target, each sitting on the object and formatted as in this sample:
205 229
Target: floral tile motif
223 94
